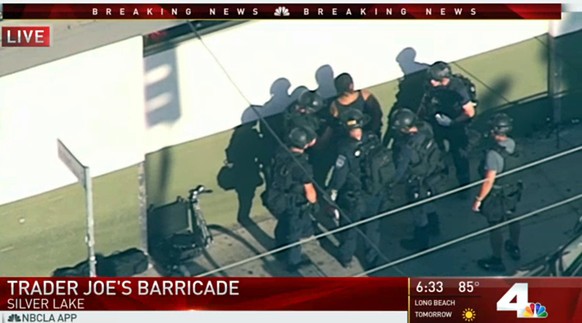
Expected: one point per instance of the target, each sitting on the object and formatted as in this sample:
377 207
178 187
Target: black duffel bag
127 263
120 264
80 270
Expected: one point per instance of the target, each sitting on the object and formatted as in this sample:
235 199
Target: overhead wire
469 236
343 214
391 212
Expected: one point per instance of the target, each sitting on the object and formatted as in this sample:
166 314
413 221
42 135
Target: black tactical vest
430 159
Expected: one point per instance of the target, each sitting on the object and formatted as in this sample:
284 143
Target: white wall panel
92 101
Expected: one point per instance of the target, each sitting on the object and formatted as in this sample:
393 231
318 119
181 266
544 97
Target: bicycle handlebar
200 189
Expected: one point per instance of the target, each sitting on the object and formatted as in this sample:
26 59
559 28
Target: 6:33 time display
430 287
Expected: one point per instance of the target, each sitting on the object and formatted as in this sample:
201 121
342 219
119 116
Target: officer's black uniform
291 172
419 166
500 204
449 101
353 198
304 112
309 112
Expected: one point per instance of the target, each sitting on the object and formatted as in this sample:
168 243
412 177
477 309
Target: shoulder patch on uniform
340 161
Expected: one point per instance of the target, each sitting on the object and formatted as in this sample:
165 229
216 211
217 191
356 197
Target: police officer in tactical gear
292 196
352 186
497 199
309 112
304 112
448 106
362 100
419 165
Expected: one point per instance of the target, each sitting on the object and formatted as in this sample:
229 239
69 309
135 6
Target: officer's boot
434 224
420 240
494 264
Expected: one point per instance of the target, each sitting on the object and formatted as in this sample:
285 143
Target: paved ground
545 184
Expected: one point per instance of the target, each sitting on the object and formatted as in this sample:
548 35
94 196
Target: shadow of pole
163 106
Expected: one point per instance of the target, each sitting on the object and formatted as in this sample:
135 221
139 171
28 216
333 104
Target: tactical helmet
402 119
310 100
353 119
439 71
300 137
501 124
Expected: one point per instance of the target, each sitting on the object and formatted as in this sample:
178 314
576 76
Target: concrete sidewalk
545 184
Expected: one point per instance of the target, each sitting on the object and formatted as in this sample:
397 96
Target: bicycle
197 217
185 233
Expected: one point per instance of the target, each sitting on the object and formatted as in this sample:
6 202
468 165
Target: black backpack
431 159
378 166
275 198
470 86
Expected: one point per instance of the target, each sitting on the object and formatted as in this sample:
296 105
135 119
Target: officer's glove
333 195
443 120
334 214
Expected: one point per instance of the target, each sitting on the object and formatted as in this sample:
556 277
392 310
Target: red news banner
282 11
228 294
556 300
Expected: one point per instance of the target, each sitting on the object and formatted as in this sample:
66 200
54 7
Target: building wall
93 102
191 108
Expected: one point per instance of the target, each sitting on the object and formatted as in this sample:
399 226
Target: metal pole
554 73
90 224
143 206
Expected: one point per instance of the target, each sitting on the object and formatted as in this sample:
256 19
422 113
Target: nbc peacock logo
535 311
282 11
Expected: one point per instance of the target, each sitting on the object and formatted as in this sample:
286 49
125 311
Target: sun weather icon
535 311
469 315
282 11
